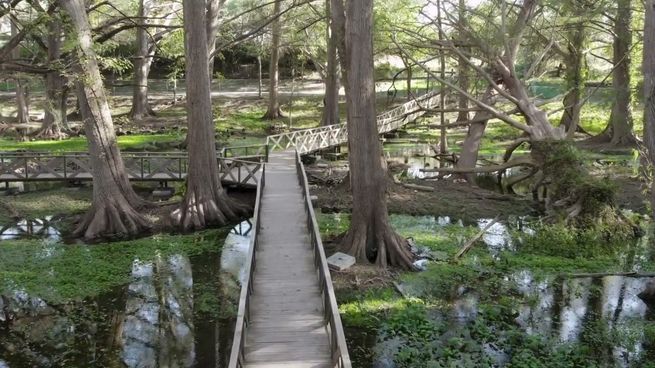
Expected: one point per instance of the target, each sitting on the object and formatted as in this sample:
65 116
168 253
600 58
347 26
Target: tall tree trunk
114 200
259 76
370 236
205 202
408 81
274 111
649 89
620 128
338 27
22 105
142 62
471 146
55 102
574 76
214 8
331 99
462 71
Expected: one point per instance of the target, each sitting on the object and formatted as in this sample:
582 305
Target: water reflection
174 312
566 307
45 228
235 251
419 156
497 237
158 327
572 310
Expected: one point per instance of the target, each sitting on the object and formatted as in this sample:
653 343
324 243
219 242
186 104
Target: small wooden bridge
310 140
238 166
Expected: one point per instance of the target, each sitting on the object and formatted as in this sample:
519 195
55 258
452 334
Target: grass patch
80 144
59 273
54 201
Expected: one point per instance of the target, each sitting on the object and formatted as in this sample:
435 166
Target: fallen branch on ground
469 244
423 188
485 169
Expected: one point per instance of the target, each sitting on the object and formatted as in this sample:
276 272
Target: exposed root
520 179
51 132
149 113
111 220
199 211
274 115
383 246
524 161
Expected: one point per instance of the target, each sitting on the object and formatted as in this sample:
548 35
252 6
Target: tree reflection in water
158 324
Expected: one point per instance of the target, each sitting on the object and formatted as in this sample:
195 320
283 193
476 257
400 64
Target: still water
175 312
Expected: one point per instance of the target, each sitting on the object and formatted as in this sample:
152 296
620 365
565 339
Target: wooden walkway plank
287 325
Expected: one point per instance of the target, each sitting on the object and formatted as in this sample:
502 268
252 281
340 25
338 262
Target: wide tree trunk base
391 248
606 138
274 115
52 132
142 115
112 220
197 212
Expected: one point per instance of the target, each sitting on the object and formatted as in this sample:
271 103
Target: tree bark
22 104
214 8
55 101
462 70
574 75
142 62
370 237
338 26
205 202
273 112
331 99
649 88
113 210
259 76
471 146
620 131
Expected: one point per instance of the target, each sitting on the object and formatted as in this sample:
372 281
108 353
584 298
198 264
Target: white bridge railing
309 140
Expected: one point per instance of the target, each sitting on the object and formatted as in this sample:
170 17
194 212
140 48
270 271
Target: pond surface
176 311
567 309
420 156
611 312
45 228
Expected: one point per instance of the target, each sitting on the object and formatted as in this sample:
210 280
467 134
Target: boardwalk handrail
339 350
250 150
145 166
309 140
243 314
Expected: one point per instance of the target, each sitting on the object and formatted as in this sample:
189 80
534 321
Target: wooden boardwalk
287 326
287 313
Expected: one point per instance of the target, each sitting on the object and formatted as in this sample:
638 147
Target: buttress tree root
111 220
202 208
378 243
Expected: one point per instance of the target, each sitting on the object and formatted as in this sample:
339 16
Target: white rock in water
340 261
421 264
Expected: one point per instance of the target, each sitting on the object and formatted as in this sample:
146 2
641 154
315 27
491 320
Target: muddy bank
448 199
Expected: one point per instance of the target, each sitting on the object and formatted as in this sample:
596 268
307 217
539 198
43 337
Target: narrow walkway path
287 326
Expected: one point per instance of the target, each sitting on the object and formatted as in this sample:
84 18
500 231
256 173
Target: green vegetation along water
523 297
160 301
